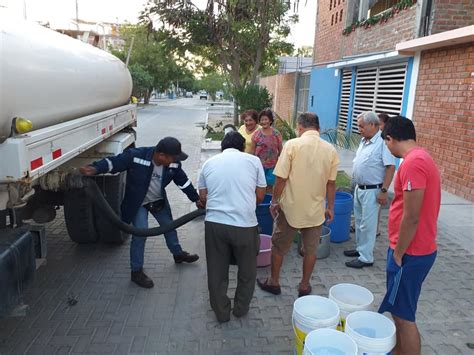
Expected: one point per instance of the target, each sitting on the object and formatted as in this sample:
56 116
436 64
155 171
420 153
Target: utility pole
24 9
77 15
129 52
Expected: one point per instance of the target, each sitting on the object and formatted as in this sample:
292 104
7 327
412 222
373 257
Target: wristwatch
383 189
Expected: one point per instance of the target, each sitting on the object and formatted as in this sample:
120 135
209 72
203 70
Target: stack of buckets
341 324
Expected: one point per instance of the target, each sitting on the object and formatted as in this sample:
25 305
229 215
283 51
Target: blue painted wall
324 96
408 79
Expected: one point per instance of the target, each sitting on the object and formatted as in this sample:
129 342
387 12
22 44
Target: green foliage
240 38
142 80
153 56
336 137
305 51
343 181
215 133
382 17
341 139
286 130
253 97
189 83
212 82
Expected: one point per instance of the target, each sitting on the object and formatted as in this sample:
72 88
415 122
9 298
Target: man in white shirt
373 170
231 185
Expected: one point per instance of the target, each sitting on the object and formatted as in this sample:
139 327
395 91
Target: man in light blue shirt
230 185
373 170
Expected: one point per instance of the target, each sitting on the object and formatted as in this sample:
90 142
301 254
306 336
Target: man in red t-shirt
411 229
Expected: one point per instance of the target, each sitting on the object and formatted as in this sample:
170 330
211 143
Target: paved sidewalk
115 316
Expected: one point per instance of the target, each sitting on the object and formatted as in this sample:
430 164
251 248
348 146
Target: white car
189 94
203 95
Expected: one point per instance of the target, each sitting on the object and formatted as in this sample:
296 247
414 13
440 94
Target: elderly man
373 171
412 229
305 175
230 185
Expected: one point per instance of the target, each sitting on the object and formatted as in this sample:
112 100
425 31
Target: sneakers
141 279
186 257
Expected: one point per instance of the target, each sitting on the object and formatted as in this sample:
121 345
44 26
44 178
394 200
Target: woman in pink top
267 145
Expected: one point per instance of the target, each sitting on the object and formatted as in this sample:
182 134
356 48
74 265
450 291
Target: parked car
203 95
189 94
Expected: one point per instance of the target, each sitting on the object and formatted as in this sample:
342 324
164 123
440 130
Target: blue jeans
137 246
366 211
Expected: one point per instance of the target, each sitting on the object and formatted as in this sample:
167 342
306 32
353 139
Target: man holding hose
149 171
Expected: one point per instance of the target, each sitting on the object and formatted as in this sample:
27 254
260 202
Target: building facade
357 67
289 87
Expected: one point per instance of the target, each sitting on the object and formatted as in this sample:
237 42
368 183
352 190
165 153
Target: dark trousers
224 243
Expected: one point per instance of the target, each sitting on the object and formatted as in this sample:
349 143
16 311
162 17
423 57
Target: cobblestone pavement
113 315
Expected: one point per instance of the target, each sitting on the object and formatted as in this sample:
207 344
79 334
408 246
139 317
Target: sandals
304 292
276 290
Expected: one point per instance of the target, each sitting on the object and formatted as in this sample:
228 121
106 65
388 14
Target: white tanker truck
63 104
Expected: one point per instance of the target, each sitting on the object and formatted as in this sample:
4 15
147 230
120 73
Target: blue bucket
264 218
341 225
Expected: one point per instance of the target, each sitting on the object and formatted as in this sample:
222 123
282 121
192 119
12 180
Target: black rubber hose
94 193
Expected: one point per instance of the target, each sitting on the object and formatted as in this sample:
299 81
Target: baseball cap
171 146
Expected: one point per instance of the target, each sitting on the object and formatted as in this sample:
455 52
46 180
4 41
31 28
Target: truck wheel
113 188
79 216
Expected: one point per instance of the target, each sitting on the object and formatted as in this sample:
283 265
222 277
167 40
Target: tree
212 82
151 55
142 80
240 37
305 51
253 97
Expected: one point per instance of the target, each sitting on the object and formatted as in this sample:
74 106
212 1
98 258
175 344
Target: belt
369 187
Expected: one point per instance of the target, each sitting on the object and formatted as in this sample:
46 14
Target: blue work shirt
371 159
138 163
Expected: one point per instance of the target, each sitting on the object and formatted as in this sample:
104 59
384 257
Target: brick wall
444 114
328 37
331 44
381 36
452 14
282 87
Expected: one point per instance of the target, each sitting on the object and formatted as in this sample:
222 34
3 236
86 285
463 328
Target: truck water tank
49 78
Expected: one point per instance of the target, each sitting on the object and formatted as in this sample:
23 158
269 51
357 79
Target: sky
128 10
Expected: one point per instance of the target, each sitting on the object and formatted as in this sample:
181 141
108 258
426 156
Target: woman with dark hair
267 145
250 126
383 118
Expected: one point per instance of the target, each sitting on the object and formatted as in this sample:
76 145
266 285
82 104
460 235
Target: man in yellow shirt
305 175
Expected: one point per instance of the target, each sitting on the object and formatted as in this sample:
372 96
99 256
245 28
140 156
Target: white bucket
373 332
329 342
310 313
350 298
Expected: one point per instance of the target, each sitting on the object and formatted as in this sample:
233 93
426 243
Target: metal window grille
379 89
303 93
345 97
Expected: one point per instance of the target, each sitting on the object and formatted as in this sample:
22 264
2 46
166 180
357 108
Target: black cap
171 146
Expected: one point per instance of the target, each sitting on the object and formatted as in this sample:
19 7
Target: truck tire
113 188
79 217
